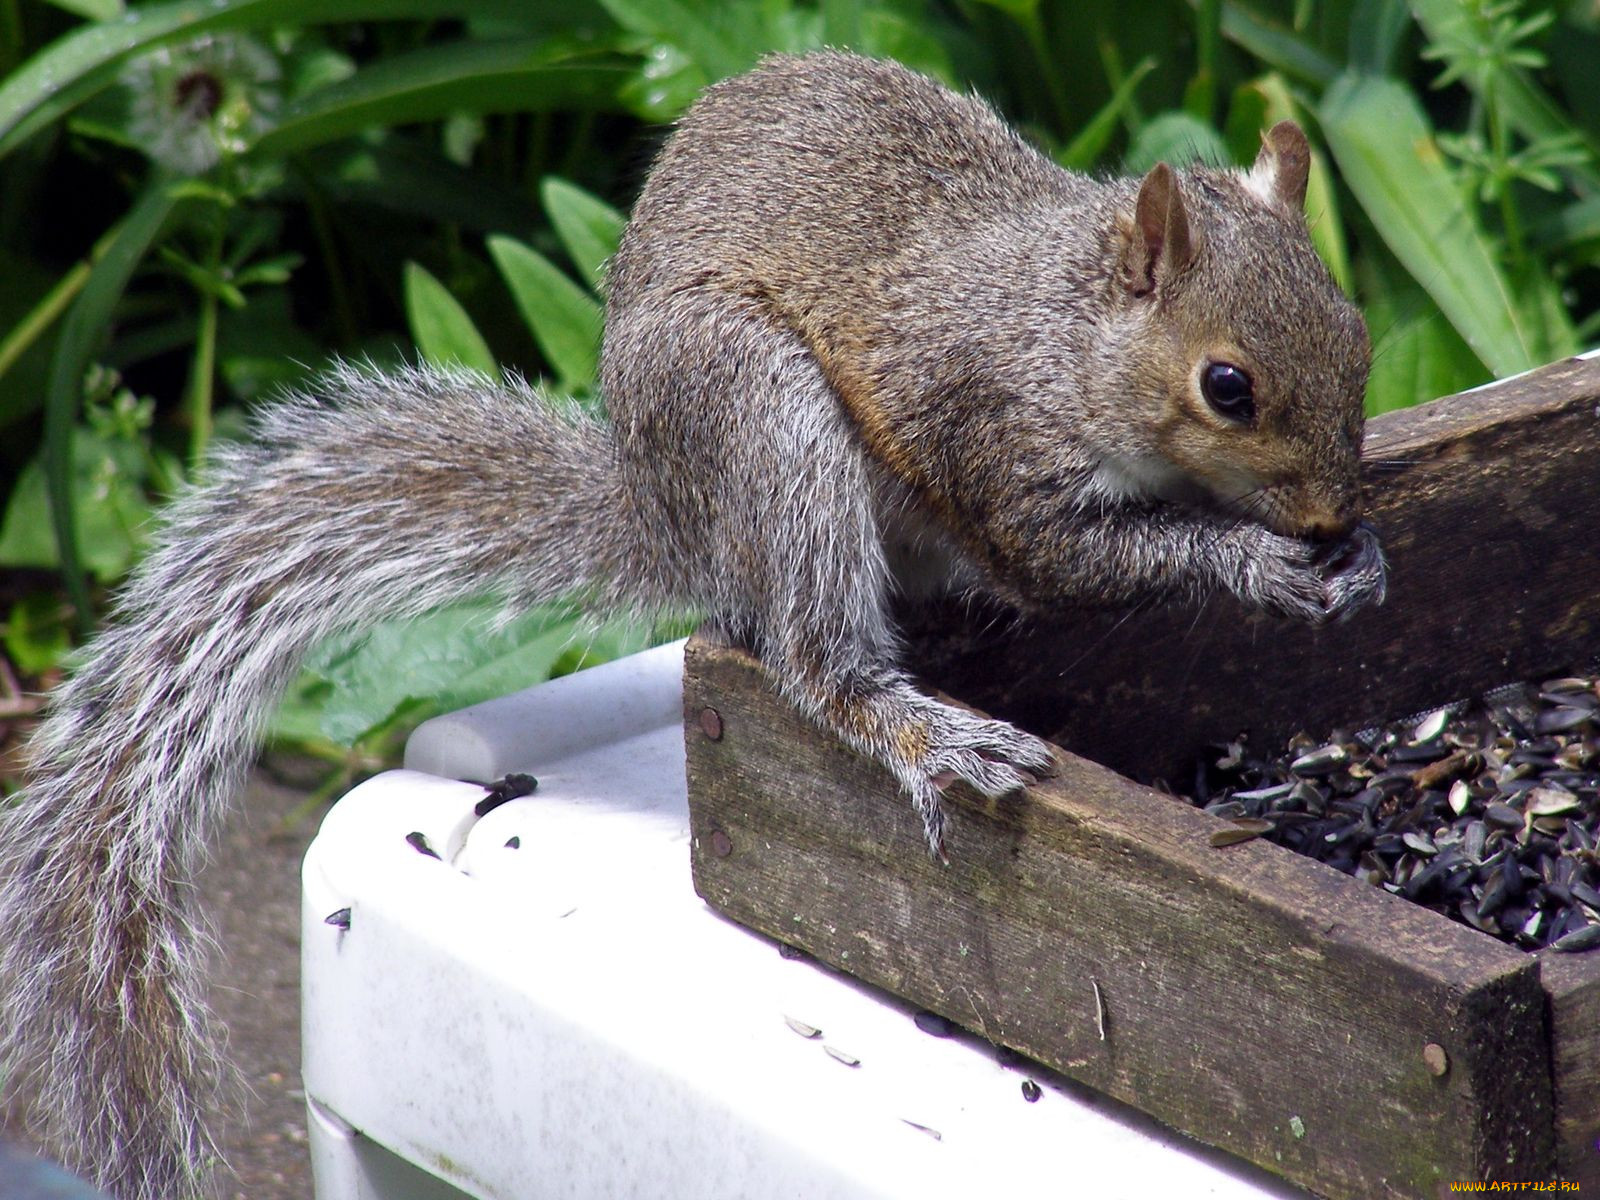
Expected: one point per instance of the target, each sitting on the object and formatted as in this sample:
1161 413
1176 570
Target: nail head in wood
711 724
1435 1059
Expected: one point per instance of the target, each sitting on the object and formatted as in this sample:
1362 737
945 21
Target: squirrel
861 339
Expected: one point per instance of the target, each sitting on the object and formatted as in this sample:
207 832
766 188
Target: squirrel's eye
1227 389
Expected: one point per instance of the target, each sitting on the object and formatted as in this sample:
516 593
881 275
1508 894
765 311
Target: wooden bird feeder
1264 1003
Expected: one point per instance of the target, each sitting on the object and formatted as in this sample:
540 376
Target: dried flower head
198 103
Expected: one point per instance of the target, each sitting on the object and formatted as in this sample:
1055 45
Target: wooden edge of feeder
1573 984
1261 1002
1531 397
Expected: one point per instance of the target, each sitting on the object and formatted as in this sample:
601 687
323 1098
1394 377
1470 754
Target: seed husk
1586 938
1320 760
1559 720
1431 726
1502 816
848 1059
1551 801
1242 829
1420 842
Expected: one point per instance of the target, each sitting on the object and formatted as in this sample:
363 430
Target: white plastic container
547 1009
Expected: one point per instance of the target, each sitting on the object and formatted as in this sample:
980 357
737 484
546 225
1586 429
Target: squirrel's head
1247 364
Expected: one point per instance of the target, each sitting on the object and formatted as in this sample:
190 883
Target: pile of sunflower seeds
1487 811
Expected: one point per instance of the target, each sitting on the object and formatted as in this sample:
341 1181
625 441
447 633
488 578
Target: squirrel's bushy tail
389 496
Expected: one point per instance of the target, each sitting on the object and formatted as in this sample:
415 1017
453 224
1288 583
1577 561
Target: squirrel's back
801 177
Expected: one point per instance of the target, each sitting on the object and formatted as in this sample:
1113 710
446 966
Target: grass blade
1376 30
1416 354
1322 199
81 332
1387 157
94 10
524 75
401 174
1083 150
1277 47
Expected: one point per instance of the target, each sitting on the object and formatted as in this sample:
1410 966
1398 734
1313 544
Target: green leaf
27 333
94 10
1376 30
401 175
1417 355
686 26
522 75
1179 139
74 67
665 83
1387 157
1083 150
441 327
1200 94
1279 48
565 319
1022 10
107 489
1540 296
588 227
1572 225
1247 117
262 352
841 22
909 38
447 659
36 633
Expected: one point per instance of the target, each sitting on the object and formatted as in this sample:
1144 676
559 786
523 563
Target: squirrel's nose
1333 527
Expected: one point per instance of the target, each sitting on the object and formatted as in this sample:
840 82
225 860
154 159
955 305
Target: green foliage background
205 200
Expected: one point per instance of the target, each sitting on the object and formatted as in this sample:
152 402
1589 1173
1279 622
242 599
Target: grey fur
860 337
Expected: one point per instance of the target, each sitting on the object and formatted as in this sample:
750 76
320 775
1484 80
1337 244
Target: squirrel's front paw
947 744
1280 575
1354 573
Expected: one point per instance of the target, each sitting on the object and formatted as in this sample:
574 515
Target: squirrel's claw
1355 573
992 757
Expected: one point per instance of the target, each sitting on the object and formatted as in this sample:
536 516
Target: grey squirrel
861 338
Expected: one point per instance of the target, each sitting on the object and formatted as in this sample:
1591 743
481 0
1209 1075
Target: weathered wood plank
1573 984
1488 508
1254 999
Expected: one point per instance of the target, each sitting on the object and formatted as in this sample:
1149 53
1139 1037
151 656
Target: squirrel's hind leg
781 541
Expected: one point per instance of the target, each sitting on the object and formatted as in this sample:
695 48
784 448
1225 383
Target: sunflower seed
1586 938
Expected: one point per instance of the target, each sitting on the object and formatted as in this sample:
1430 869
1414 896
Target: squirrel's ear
1282 168
1158 245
